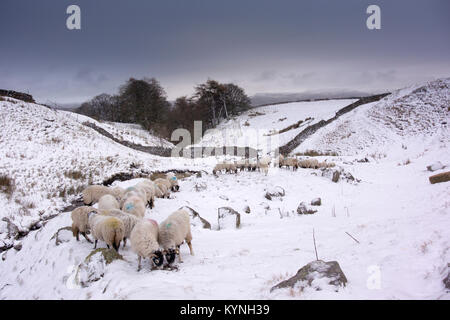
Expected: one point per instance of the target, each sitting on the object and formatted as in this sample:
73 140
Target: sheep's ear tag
174 178
168 225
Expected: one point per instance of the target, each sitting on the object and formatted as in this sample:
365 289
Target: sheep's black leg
95 244
124 242
86 237
139 263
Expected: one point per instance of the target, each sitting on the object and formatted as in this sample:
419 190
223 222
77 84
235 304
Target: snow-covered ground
400 220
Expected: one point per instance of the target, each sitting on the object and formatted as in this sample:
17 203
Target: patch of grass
74 174
56 140
7 185
2 99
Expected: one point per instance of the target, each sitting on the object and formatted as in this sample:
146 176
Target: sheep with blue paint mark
173 231
134 205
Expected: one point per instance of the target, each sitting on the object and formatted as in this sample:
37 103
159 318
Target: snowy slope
400 220
51 157
130 132
254 128
412 118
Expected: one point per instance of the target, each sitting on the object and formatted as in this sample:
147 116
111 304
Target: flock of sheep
264 163
120 212
120 216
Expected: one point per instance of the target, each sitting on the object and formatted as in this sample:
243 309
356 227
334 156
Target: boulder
196 219
316 202
336 175
17 245
275 192
200 186
247 209
304 209
435 166
330 271
94 265
447 279
228 217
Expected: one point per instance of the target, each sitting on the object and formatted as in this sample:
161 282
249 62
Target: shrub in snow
316 274
275 192
94 266
303 209
316 202
228 218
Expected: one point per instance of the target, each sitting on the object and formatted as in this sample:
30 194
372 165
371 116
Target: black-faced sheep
172 232
144 242
111 230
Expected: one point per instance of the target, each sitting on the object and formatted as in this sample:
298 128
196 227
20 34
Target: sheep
290 162
280 160
107 202
108 229
240 164
134 191
252 164
172 232
309 163
80 221
134 205
219 168
93 193
173 181
230 167
164 186
129 221
150 189
144 242
264 163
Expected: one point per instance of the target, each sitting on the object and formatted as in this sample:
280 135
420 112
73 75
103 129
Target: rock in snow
303 209
316 202
276 192
93 267
435 166
330 271
196 219
228 217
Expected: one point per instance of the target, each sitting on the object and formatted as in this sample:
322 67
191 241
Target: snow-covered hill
268 127
399 219
49 157
407 121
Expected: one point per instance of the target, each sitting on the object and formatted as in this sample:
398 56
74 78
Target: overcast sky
262 45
